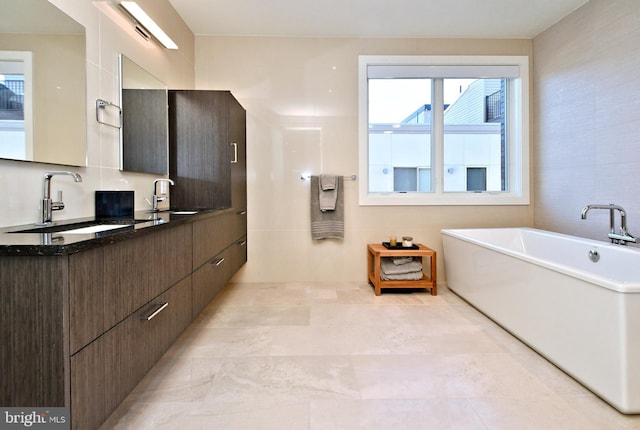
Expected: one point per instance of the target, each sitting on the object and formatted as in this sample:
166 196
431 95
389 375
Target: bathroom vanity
83 317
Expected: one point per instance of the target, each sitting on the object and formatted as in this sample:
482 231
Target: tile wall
107 35
301 97
586 118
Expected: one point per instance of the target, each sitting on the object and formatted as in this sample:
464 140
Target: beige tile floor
334 356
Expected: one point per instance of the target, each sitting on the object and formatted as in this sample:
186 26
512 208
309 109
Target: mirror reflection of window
11 96
51 47
15 123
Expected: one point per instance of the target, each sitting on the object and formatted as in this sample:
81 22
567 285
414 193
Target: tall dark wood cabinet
238 134
202 130
208 163
238 142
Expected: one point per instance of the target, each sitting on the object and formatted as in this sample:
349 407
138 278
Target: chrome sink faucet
48 205
623 236
158 198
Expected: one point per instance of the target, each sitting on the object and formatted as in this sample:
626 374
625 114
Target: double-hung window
444 130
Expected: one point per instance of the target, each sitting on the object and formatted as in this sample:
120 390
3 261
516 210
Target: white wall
302 116
108 34
586 118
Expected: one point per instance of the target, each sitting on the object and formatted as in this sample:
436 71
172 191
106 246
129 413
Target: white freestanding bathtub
545 288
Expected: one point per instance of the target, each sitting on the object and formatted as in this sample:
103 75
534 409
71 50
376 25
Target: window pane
476 179
405 179
11 97
399 119
475 132
424 179
12 126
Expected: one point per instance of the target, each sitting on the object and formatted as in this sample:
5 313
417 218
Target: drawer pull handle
242 212
242 243
154 311
218 261
235 152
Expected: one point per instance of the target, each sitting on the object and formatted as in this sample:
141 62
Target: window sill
449 199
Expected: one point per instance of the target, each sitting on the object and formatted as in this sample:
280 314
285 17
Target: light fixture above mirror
143 20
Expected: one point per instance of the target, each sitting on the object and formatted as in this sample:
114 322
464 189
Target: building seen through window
473 129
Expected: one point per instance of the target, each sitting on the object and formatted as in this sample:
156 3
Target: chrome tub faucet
623 236
48 205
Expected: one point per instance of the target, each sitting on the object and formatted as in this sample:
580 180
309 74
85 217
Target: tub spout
623 236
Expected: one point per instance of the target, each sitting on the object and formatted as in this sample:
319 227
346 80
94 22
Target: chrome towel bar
307 177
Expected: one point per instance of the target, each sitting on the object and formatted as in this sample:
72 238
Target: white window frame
518 138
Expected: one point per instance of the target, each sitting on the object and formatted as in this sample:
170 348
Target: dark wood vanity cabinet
202 129
103 373
81 330
72 325
219 250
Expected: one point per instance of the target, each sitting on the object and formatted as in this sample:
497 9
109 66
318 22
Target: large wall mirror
144 144
43 102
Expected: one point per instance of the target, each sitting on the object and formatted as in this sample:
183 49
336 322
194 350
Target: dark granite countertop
15 242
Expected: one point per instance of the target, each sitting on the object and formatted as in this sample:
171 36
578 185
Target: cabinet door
199 150
238 141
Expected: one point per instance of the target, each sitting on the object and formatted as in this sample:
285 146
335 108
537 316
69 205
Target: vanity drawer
239 254
214 276
211 236
210 279
107 284
103 373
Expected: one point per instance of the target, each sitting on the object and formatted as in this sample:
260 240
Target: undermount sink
86 227
95 228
